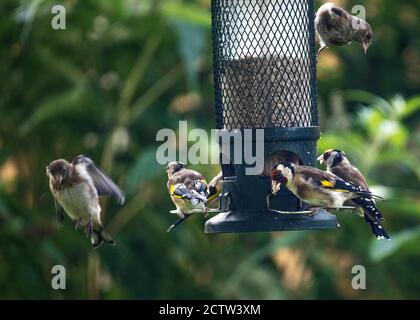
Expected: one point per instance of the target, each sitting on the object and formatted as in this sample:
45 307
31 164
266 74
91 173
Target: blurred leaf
136 74
146 100
264 252
192 45
189 13
145 167
381 249
412 107
56 105
26 13
367 98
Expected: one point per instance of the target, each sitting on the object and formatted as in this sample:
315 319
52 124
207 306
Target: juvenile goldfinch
336 27
315 187
188 190
215 187
338 164
76 188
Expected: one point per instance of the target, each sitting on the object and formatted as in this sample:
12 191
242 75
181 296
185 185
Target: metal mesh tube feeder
265 78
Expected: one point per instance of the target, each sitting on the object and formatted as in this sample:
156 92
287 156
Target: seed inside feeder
267 93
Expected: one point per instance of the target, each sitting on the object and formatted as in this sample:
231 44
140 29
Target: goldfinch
338 164
336 27
316 187
188 190
76 188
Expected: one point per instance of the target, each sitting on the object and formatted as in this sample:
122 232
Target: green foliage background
124 69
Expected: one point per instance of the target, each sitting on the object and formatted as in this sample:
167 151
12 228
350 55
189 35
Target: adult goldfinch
338 164
316 187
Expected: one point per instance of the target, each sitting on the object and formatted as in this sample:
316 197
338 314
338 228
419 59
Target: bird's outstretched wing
103 184
60 213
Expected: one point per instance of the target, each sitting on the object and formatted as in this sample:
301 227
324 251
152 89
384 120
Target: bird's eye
327 155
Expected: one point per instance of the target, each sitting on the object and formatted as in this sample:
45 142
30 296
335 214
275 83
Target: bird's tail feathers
378 230
372 213
373 217
100 236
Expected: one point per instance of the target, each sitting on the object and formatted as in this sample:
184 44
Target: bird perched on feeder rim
215 187
336 27
315 187
188 190
76 187
338 164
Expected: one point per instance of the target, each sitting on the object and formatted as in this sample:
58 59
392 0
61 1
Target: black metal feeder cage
265 78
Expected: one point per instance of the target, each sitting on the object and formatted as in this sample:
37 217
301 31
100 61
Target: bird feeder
265 78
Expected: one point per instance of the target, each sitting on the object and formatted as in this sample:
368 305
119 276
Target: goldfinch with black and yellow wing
338 164
316 187
188 190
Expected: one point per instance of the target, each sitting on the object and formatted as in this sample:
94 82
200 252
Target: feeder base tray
270 220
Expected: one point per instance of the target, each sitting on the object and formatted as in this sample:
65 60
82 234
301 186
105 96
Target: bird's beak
321 159
366 46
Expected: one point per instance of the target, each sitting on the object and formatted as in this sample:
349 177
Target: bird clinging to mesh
336 27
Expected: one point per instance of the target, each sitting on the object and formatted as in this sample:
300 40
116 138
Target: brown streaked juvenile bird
215 187
76 188
338 164
188 190
336 27
316 187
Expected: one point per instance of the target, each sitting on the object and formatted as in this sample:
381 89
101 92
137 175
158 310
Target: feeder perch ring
312 210
196 211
